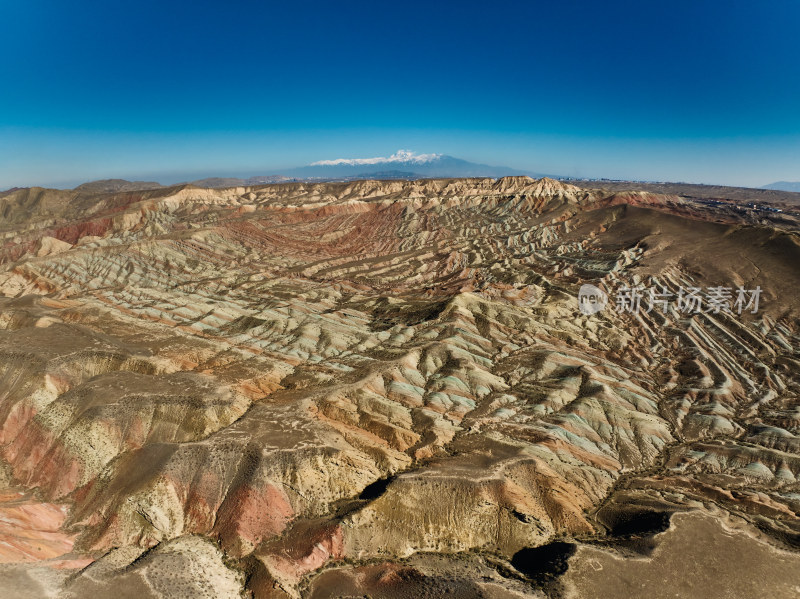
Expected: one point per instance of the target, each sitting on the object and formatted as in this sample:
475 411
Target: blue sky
689 91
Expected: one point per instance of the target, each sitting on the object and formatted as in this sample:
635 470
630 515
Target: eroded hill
384 387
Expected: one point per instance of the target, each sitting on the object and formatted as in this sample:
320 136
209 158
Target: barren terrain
387 389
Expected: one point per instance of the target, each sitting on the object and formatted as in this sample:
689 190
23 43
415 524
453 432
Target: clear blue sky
683 90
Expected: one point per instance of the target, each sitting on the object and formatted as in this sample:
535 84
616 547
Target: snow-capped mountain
401 156
403 164
405 161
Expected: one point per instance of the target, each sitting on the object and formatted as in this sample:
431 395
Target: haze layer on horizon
686 91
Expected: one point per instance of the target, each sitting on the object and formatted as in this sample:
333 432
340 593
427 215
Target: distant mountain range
784 186
234 182
403 161
400 165
403 165
116 185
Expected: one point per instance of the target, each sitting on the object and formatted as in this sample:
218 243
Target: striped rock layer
289 376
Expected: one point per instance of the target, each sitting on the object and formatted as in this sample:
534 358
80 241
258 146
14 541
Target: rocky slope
285 389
